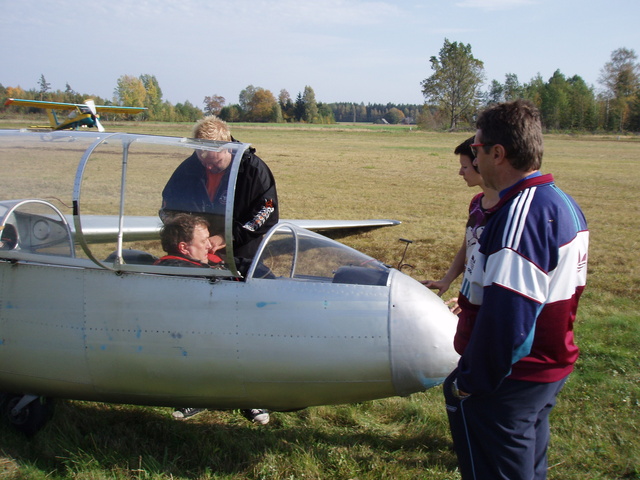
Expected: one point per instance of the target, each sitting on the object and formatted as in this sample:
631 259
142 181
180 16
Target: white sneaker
257 415
183 413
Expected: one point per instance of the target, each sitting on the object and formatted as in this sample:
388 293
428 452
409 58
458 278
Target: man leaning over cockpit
199 185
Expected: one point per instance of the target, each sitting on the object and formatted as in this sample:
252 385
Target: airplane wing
325 225
115 109
41 104
73 106
104 228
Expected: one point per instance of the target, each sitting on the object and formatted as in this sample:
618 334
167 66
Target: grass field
353 172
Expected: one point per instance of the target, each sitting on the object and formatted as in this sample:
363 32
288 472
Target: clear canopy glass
100 199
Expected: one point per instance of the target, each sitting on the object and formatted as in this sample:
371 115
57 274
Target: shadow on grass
119 441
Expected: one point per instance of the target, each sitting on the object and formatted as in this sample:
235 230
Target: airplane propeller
94 114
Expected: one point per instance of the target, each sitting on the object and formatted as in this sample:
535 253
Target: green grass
381 172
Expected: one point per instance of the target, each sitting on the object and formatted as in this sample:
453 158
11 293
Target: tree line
130 91
453 93
453 96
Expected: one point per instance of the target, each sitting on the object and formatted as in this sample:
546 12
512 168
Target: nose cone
421 330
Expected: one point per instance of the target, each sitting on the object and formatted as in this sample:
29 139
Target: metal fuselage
161 340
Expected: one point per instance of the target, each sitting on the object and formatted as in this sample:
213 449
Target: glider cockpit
110 219
34 227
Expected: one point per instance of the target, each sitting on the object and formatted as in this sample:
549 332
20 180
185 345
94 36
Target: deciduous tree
286 106
262 106
130 92
187 112
394 115
153 96
325 114
213 104
310 105
231 113
621 79
456 80
245 97
15 92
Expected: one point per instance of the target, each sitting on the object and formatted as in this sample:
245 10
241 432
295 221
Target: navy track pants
504 434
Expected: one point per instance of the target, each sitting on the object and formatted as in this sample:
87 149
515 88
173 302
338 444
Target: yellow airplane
81 114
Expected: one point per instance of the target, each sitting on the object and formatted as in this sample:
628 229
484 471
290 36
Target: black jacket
255 206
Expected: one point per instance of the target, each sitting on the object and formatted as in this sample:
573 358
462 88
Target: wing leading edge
104 228
73 106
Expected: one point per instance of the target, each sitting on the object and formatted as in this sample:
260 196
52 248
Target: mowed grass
350 172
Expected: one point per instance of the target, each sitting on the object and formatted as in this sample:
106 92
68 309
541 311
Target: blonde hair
212 128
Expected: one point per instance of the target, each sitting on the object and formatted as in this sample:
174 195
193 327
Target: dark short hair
517 126
465 149
179 228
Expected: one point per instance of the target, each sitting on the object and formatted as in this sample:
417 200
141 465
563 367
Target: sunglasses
474 147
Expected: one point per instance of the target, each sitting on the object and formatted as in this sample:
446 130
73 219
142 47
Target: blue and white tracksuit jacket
521 289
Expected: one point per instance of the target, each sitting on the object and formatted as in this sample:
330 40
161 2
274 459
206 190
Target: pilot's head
212 128
186 235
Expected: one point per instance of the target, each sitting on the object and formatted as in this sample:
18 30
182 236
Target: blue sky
346 50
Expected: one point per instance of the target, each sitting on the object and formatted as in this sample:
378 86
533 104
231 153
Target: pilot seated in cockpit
185 238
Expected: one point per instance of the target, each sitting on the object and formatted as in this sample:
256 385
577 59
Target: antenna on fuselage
400 263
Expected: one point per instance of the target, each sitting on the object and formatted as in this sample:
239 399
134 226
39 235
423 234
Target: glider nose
421 330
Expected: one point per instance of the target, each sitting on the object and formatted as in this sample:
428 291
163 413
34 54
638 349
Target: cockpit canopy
98 198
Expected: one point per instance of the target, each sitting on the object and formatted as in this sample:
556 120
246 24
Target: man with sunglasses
518 305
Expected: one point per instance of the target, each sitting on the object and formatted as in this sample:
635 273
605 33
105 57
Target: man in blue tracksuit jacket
519 299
